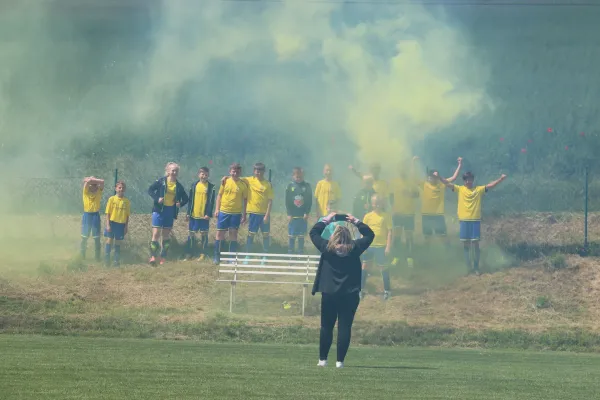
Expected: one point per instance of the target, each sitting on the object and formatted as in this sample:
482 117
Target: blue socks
467 251
83 246
476 258
97 246
249 242
117 258
300 245
291 245
217 255
107 249
233 246
386 280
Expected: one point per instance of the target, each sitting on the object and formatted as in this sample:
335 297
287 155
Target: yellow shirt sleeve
109 205
481 190
222 189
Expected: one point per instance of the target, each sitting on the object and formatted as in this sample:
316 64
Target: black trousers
340 307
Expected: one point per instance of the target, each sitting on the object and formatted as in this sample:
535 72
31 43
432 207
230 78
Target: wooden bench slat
250 266
279 282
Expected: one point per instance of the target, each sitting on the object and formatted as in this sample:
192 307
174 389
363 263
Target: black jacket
157 190
210 199
337 274
298 199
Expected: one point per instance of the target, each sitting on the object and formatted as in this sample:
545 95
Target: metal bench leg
303 298
231 297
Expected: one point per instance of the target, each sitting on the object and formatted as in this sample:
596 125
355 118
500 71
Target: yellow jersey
381 188
405 193
381 225
118 209
327 192
170 189
259 194
91 201
432 199
200 197
469 202
233 193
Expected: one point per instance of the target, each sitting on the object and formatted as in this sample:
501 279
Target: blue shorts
90 225
297 227
165 218
228 221
256 222
404 221
434 224
470 230
199 225
117 231
376 254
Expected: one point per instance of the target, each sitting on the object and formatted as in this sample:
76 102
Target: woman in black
338 280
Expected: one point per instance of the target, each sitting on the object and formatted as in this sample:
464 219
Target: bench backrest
267 268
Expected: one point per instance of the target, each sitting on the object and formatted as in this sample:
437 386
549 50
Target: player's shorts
90 225
404 221
117 231
256 222
164 218
434 225
375 254
470 230
199 225
228 221
297 227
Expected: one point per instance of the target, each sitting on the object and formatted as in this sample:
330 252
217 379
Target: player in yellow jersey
168 195
327 191
404 191
469 214
432 204
118 210
90 221
260 201
231 209
377 255
380 186
200 209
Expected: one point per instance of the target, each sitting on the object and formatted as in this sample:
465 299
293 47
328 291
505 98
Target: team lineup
387 207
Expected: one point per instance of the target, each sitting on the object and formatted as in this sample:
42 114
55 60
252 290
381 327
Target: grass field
81 368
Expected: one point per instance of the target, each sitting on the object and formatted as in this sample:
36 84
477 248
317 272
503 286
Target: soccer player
260 201
469 214
298 204
90 221
404 192
118 210
200 209
379 185
168 195
327 191
230 210
361 204
432 204
381 223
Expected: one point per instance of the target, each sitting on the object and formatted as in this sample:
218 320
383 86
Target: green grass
85 368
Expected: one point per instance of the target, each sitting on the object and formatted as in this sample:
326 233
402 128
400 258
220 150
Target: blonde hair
171 164
341 240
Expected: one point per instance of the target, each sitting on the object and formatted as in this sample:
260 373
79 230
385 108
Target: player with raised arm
90 220
380 186
469 214
404 192
118 210
168 195
377 255
327 191
298 204
200 209
230 210
432 204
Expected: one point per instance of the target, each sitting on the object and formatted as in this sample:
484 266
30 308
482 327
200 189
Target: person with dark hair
469 214
338 280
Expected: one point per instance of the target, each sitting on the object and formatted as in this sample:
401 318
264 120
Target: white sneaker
339 364
322 363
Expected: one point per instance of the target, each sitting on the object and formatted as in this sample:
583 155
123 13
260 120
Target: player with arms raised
90 221
469 214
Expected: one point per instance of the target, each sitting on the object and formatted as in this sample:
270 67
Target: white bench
292 269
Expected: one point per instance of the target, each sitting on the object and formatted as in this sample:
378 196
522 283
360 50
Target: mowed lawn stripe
89 368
